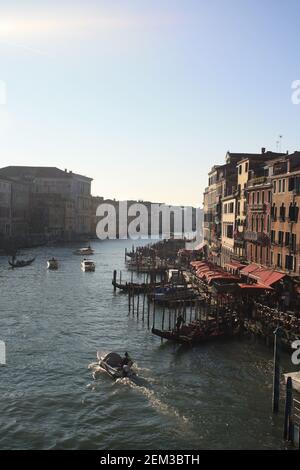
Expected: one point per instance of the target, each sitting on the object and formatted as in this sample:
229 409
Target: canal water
210 397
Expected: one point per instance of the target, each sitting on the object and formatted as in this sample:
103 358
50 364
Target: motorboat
114 365
85 251
52 264
21 263
88 265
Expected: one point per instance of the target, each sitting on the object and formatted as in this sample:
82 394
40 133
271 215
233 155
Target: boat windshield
113 359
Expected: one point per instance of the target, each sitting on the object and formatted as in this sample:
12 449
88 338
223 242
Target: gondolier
179 322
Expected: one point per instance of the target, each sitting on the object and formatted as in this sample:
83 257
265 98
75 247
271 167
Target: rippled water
213 396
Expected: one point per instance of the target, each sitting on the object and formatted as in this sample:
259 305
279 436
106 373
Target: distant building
14 210
59 201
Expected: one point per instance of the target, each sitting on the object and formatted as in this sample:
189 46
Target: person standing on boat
179 322
126 359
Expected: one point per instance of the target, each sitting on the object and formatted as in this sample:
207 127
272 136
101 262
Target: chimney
263 150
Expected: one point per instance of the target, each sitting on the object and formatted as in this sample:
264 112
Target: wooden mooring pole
115 279
287 428
276 372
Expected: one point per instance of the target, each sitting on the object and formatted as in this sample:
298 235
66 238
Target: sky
144 96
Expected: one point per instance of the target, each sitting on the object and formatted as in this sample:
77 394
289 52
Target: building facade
58 201
285 222
228 228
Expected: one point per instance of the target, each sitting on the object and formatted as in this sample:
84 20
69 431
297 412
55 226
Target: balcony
257 237
257 207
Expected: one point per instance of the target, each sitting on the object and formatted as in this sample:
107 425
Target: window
283 186
257 224
280 237
240 169
246 167
274 212
253 195
279 260
294 239
273 234
287 238
263 197
279 186
282 212
289 262
269 196
257 197
239 208
272 258
274 186
229 231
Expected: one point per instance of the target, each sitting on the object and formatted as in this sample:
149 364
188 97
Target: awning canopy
235 265
261 275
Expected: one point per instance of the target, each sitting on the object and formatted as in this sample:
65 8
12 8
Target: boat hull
177 337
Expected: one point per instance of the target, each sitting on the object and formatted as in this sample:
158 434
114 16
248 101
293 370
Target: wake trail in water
150 395
154 401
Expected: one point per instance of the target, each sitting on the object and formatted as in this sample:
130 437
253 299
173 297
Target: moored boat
85 251
192 334
52 264
88 265
21 263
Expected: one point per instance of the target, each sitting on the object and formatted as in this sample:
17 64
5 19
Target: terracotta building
285 220
257 234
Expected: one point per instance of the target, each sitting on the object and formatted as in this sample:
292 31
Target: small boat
85 251
21 263
112 364
88 265
191 335
134 287
52 264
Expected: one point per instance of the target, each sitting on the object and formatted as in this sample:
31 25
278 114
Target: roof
253 286
234 265
36 172
264 276
264 156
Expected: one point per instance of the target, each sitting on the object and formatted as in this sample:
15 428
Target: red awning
234 265
254 286
264 276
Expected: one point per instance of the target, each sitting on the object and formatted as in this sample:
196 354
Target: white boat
114 365
84 251
88 265
52 264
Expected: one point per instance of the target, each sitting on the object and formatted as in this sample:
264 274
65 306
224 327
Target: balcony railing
258 237
257 207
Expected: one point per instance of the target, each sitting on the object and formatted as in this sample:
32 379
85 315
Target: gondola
188 335
135 288
21 263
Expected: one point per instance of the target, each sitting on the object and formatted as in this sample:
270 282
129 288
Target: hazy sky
145 95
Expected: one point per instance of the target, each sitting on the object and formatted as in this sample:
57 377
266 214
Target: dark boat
112 364
135 288
21 263
190 335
